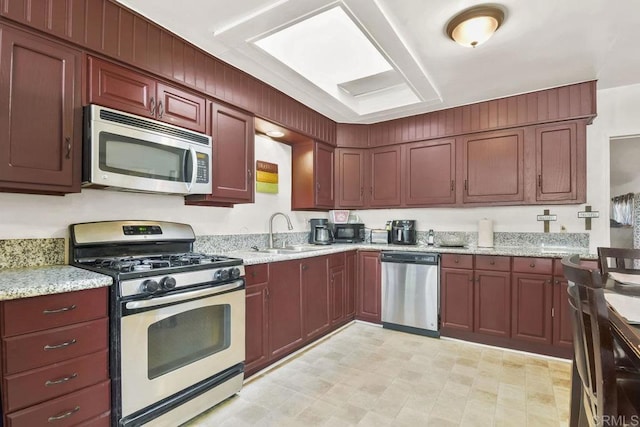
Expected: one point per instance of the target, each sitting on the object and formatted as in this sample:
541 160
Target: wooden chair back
593 340
622 260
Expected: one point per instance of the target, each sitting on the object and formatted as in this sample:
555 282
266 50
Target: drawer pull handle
59 310
63 415
49 383
63 345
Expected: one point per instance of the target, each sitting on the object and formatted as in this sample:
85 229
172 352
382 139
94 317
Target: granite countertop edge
27 282
251 257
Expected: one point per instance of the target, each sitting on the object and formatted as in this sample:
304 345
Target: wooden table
627 335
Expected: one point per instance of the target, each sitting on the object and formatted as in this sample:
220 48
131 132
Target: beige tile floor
368 376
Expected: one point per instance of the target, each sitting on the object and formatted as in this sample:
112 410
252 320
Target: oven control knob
221 275
234 272
149 286
168 283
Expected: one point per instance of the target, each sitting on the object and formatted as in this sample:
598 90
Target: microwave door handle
194 169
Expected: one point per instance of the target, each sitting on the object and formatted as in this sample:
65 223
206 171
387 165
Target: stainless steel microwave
348 233
123 151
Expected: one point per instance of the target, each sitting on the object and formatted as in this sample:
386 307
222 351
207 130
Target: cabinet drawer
491 262
256 274
336 260
26 315
44 348
67 410
457 261
533 265
31 387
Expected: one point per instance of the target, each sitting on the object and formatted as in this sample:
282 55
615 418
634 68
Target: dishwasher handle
410 257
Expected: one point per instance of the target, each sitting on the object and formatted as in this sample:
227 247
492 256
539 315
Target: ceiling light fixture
475 26
275 134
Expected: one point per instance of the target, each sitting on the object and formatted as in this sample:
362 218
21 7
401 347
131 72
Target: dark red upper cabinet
384 189
312 170
494 167
350 177
233 158
429 173
557 162
40 114
123 89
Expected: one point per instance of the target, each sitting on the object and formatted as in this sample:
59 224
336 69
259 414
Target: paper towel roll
485 233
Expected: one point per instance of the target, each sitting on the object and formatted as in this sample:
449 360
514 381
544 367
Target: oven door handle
172 299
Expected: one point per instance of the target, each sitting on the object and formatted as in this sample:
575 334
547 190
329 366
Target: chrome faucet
271 226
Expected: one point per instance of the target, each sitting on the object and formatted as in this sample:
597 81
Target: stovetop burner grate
152 262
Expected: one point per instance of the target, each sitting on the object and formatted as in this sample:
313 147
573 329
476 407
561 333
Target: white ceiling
541 44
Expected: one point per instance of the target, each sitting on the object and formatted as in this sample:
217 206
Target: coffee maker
320 233
403 232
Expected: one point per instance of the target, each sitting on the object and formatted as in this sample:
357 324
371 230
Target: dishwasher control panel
410 257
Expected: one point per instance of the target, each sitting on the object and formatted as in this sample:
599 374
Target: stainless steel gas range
177 319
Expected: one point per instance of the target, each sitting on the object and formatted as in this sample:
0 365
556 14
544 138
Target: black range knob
221 275
168 283
149 286
234 272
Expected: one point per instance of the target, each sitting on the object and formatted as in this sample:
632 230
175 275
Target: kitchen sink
291 249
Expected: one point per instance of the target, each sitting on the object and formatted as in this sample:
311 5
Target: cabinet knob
532 265
304 267
492 262
160 110
557 282
67 141
456 260
152 106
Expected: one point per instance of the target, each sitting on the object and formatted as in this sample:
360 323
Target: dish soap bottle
430 238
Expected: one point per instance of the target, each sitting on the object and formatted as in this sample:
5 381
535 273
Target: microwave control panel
202 174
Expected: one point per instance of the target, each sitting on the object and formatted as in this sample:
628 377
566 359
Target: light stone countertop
35 281
251 257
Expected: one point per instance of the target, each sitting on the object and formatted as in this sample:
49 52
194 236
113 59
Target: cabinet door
40 114
323 176
117 87
314 273
384 175
233 154
494 167
492 303
556 162
337 283
430 172
256 338
369 287
285 308
351 274
181 108
457 299
562 327
531 307
350 178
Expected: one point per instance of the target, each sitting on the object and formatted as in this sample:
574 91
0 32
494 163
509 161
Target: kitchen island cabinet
369 290
55 359
40 114
121 88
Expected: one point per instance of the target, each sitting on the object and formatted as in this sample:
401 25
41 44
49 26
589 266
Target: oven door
178 341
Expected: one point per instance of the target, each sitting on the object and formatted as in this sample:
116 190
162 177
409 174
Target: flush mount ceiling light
275 134
475 26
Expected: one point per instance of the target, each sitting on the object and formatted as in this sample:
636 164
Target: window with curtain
622 210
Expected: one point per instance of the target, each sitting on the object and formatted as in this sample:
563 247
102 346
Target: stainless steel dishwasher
411 292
